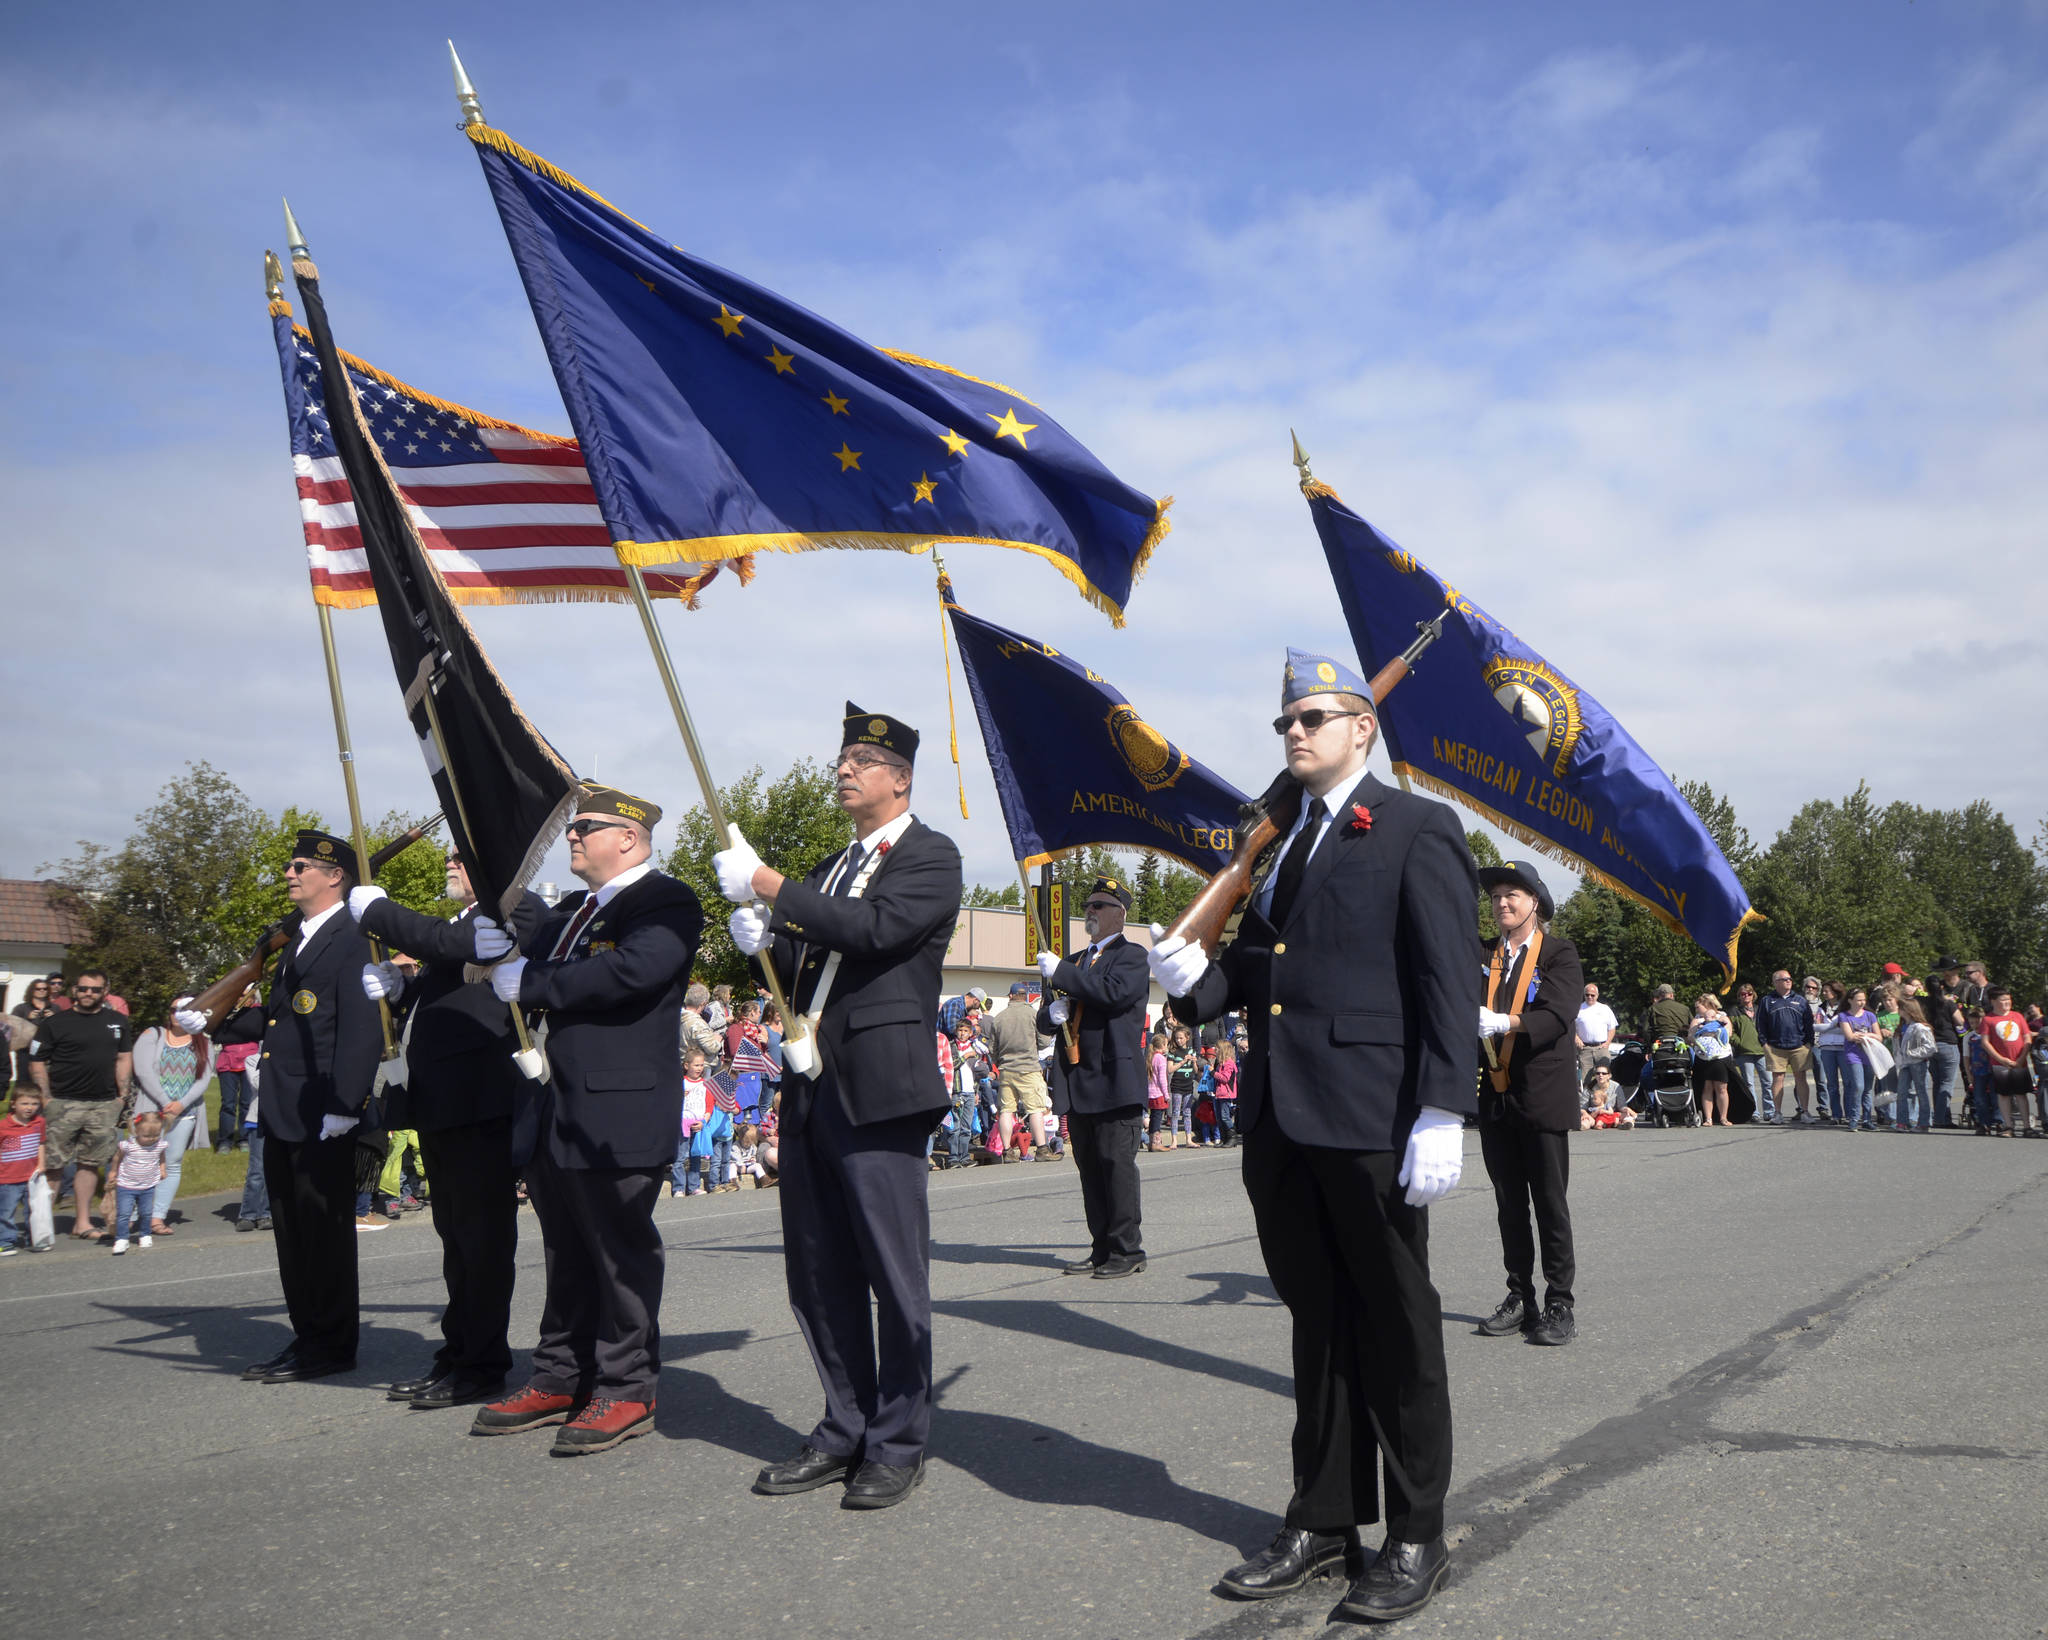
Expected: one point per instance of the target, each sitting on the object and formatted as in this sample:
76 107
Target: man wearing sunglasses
1101 996
596 1140
81 1060
322 1041
859 945
1355 963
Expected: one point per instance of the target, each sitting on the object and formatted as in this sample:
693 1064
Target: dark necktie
577 923
845 884
1287 881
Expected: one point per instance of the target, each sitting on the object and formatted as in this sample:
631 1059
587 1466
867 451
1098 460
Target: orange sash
1499 1071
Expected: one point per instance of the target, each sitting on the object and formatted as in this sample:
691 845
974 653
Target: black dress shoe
263 1369
1119 1264
806 1472
299 1370
1399 1583
1514 1315
1286 1564
406 1388
1555 1325
1082 1266
877 1485
457 1390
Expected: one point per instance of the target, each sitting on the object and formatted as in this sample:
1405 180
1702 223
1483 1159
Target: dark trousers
234 1099
856 1224
600 1324
1530 1171
312 1187
1350 1260
1106 1156
476 1215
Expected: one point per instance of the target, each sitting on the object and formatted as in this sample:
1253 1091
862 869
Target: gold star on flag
728 321
836 404
785 363
847 458
649 283
953 442
1008 426
924 487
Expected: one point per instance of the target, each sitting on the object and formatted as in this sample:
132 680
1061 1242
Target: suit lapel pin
1361 818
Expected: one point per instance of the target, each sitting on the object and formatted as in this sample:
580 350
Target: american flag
751 1060
507 514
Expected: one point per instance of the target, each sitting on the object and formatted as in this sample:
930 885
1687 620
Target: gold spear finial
273 276
294 241
1301 459
465 93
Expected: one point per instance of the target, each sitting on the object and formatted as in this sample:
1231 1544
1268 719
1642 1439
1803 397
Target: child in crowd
683 1178
139 1166
2006 1041
1158 1093
746 1155
1712 1058
1603 1106
1226 1091
767 1154
970 1060
21 1154
1206 1131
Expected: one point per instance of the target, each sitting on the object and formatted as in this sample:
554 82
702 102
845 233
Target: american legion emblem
1154 761
1542 704
304 1002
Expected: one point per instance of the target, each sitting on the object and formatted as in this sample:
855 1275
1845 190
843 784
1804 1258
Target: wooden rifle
1209 913
218 1000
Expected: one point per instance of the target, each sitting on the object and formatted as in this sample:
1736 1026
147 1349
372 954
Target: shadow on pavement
1029 1258
1038 1464
1048 1319
694 1406
1234 1287
227 1339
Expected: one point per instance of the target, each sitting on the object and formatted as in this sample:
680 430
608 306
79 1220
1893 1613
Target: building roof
33 913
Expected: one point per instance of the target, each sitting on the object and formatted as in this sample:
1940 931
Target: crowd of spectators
1900 1055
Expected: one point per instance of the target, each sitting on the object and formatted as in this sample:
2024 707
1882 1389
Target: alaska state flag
1074 764
719 419
1488 721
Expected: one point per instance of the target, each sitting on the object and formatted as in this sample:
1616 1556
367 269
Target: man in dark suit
608 968
322 1041
1102 1093
460 1085
1354 963
859 945
1530 1100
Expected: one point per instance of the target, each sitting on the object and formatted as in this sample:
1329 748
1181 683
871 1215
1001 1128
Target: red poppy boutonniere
1361 817
882 848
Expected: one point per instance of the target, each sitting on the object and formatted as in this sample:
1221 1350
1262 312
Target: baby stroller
1667 1084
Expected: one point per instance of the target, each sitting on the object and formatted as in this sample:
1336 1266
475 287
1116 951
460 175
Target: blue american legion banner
1075 766
1488 721
719 419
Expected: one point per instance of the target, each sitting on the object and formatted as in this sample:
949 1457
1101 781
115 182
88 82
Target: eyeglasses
88 990
292 866
583 828
862 760
1105 905
1311 720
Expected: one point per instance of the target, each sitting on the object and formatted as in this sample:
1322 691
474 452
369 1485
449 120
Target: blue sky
1702 344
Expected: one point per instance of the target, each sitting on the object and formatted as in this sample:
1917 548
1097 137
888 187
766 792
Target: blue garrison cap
1319 675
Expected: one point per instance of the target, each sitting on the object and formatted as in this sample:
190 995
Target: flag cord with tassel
946 655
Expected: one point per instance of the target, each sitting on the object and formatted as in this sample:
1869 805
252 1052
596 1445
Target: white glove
1058 1010
1047 962
1436 1156
736 867
1493 1024
382 982
506 976
749 925
192 1021
333 1127
361 899
492 942
1175 963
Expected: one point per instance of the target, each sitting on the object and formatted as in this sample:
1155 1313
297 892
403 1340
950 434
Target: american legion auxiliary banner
1488 721
1074 763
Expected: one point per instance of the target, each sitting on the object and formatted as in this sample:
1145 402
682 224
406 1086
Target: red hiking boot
531 1408
602 1425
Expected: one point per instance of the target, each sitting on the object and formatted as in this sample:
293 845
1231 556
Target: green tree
982 897
1484 855
793 823
184 897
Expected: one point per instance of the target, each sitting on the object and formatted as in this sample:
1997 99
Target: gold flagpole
273 279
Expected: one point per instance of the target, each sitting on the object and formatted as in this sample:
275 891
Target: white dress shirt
1337 801
313 924
889 832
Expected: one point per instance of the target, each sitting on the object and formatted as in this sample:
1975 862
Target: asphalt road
1806 1400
